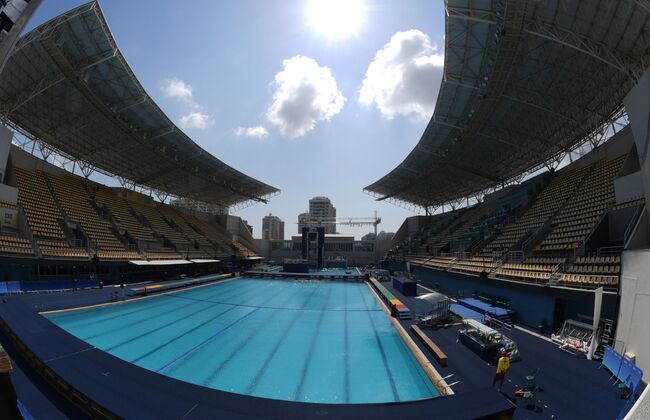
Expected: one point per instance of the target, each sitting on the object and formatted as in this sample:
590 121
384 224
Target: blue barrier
622 368
13 286
46 285
612 360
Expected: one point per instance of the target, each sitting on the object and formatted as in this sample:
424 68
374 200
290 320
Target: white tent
432 307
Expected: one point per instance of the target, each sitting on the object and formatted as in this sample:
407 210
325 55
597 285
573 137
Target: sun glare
336 19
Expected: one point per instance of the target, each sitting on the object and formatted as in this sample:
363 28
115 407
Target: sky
316 98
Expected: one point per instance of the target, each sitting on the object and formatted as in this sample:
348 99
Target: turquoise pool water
301 340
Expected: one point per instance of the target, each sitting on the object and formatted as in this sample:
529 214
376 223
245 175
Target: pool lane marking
346 357
235 351
113 347
262 370
145 307
228 292
310 351
122 302
155 349
191 330
243 305
187 353
152 316
162 327
207 340
382 351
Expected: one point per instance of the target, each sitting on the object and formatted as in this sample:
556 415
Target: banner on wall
8 218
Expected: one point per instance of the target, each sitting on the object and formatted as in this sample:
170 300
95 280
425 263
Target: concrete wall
8 194
5 145
637 105
628 187
633 331
24 160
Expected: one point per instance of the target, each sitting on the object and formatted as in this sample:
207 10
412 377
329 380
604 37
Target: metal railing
633 222
605 251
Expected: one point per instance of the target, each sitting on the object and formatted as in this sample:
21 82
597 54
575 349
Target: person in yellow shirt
502 368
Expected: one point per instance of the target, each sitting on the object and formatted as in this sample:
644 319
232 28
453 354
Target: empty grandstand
506 111
63 220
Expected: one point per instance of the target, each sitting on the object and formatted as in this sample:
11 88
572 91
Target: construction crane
345 221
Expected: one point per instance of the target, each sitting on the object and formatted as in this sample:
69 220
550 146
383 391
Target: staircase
606 338
493 270
105 214
27 230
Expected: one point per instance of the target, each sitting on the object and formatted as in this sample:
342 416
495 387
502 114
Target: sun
336 19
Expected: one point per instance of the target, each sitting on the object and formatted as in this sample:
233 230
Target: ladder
605 338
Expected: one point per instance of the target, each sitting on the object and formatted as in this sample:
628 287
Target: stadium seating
122 215
417 244
547 204
542 245
15 245
162 253
8 205
587 205
161 226
60 249
76 202
196 238
459 227
441 263
63 211
43 215
593 271
474 265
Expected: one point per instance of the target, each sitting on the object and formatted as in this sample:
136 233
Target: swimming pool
300 340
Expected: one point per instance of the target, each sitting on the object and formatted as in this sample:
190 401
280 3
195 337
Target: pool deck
354 275
571 387
123 389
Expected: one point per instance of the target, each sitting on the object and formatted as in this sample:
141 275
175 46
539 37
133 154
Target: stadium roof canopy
68 85
524 82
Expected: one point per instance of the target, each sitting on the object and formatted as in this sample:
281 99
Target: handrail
582 248
609 250
633 222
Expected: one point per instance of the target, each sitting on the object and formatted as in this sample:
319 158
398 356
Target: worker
502 368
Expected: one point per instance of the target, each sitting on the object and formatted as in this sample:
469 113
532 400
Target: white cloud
305 94
196 120
257 132
404 77
178 89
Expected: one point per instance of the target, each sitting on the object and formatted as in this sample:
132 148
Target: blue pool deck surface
296 340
